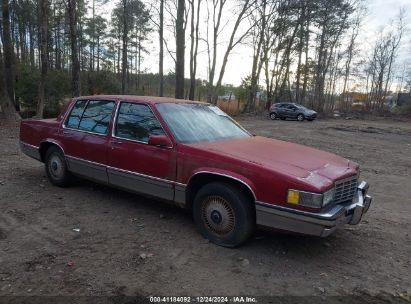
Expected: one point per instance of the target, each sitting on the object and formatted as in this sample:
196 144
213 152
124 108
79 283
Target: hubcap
56 167
300 117
272 116
218 215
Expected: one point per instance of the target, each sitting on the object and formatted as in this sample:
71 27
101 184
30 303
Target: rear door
280 109
135 165
85 137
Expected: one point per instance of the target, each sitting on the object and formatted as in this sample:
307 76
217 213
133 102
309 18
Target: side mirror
161 141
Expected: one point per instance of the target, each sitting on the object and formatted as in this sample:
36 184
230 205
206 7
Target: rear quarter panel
34 131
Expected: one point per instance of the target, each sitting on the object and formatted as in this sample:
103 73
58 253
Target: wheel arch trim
50 141
225 174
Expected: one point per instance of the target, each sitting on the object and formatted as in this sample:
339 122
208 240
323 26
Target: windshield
193 122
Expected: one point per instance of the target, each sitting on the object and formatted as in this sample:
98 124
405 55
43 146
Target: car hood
310 165
310 112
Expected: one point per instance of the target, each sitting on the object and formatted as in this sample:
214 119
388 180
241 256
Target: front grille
345 189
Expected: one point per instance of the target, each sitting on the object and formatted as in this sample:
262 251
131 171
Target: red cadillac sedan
194 155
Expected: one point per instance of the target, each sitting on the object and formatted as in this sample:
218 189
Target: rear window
74 118
91 116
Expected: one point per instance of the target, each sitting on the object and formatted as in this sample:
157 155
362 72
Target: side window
96 117
136 122
75 115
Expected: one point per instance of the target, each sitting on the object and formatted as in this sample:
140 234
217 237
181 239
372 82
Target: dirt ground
94 240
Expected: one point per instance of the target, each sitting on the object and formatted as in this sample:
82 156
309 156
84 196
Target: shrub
402 110
27 86
102 82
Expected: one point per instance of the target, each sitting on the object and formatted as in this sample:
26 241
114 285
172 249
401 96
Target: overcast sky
380 13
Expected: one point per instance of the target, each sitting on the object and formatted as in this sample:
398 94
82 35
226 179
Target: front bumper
322 223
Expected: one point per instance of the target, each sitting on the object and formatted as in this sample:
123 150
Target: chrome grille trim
345 189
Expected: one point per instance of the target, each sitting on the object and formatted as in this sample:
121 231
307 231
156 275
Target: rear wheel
224 214
273 116
56 167
300 117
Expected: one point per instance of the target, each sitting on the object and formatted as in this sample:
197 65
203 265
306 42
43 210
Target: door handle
116 142
67 133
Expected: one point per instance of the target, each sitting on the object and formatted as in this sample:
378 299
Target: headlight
328 196
310 199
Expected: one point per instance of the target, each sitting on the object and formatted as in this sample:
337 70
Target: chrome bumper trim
321 223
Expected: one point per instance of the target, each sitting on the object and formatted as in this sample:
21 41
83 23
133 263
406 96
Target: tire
273 116
300 117
223 214
56 167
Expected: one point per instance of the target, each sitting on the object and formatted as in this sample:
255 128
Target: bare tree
331 18
44 12
234 40
180 49
194 36
381 63
7 103
75 69
355 29
395 41
161 43
125 46
259 33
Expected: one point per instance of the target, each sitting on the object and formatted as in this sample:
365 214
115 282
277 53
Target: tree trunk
161 41
180 49
31 41
124 57
300 52
98 53
306 67
231 44
256 67
75 69
44 8
93 43
194 48
7 104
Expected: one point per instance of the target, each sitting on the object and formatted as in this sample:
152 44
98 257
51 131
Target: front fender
225 173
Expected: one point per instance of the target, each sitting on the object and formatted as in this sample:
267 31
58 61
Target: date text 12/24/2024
203 299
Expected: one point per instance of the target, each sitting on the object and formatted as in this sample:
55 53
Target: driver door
291 111
132 163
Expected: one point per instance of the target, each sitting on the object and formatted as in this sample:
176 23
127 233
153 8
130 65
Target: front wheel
224 214
300 117
56 167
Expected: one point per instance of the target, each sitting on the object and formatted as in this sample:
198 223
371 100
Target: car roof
134 98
